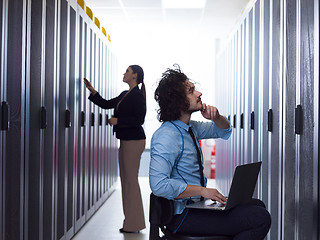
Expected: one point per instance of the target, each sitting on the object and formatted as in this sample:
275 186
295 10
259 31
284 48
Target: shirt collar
182 125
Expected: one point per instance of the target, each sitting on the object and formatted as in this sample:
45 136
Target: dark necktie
199 157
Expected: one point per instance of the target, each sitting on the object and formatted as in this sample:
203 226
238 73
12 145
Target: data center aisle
105 223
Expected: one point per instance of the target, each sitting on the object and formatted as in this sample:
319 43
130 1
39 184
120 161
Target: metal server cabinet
96 127
114 148
261 120
254 95
48 172
39 160
82 125
90 121
104 159
287 93
35 121
66 116
72 99
109 138
92 129
253 85
13 107
249 89
247 108
242 103
300 166
274 119
289 141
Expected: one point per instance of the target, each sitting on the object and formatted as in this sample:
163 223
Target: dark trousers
245 222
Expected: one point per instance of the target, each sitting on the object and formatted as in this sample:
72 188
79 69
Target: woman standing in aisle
129 114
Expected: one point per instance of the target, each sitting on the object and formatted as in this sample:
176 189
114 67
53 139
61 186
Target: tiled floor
105 223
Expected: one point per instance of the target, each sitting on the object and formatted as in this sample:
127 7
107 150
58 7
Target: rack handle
92 119
234 120
107 119
252 120
43 118
270 120
298 120
68 118
100 119
4 116
241 120
82 118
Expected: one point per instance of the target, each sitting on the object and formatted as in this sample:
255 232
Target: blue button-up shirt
174 162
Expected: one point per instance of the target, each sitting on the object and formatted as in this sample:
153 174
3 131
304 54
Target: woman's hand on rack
113 121
89 86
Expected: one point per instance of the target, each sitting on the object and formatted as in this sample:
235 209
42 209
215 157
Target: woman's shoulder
136 93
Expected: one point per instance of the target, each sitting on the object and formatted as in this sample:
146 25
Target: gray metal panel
94 133
255 84
234 110
316 179
94 127
72 130
80 166
86 108
49 103
275 142
91 130
290 102
97 125
248 88
62 132
103 130
238 97
88 39
13 164
110 114
306 187
99 162
256 80
241 91
264 100
34 135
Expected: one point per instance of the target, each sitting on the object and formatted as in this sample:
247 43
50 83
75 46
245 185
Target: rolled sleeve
207 130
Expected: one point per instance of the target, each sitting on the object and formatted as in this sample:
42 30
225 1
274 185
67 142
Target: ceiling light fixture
183 3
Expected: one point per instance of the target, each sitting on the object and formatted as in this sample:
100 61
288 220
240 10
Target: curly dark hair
171 95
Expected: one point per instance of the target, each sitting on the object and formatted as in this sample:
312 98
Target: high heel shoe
124 231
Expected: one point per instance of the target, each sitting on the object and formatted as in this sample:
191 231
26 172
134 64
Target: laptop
241 190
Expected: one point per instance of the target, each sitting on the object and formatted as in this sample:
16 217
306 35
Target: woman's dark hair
140 76
171 95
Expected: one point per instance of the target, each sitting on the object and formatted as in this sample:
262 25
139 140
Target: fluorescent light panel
183 3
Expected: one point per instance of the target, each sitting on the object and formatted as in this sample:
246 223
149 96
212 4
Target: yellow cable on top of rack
97 22
89 13
109 38
81 3
104 31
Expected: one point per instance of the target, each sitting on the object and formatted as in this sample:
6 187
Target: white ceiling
218 18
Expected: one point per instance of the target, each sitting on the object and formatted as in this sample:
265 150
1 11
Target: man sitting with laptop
176 170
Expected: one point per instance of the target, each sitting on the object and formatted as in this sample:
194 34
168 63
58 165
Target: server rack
278 39
54 162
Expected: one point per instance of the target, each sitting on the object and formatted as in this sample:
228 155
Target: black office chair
161 213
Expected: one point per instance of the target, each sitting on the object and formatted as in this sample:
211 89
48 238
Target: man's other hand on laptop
213 194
